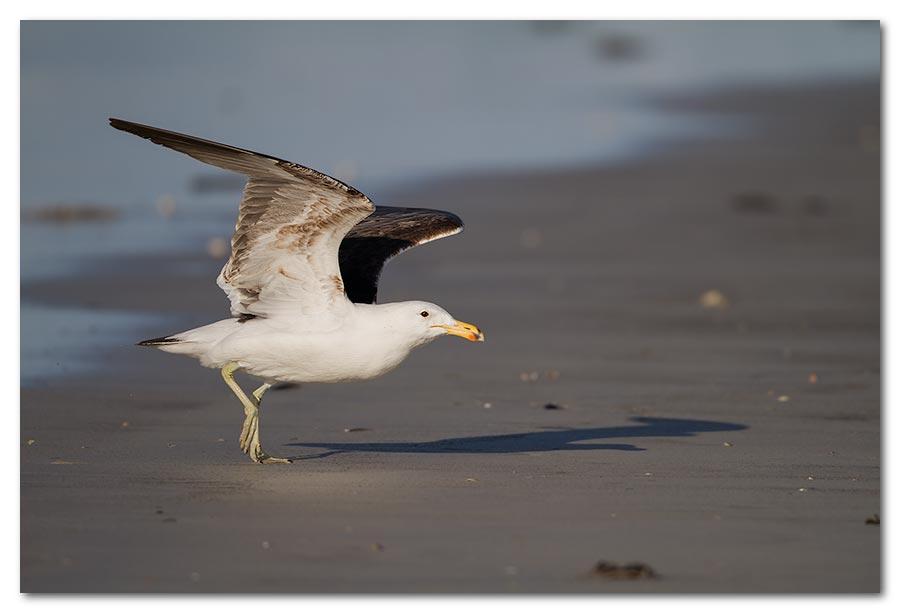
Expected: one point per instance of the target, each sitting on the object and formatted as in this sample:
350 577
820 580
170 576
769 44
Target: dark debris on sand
73 213
632 570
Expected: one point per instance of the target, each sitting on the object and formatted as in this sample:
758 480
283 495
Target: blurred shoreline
389 100
785 118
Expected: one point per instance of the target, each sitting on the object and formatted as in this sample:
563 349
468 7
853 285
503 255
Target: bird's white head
422 322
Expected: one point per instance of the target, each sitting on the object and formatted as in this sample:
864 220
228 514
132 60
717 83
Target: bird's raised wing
382 235
284 252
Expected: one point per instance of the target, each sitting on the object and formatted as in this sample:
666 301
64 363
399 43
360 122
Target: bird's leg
258 392
251 441
250 431
251 407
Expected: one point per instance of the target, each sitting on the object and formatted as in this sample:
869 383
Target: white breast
274 350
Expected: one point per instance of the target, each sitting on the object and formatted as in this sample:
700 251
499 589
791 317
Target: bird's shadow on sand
545 440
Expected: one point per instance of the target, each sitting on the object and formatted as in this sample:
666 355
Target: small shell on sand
713 299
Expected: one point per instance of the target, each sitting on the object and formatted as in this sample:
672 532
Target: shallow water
51 250
67 341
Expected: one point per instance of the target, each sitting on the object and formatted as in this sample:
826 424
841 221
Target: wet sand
731 448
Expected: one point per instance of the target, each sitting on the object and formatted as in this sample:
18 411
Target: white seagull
302 278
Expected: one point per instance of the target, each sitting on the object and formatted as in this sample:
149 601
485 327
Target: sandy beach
682 370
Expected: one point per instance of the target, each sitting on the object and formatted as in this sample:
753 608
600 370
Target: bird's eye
424 313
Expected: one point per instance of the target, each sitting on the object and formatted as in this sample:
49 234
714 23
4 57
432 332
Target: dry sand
692 439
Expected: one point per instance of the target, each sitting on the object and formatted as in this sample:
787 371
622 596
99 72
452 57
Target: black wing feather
382 235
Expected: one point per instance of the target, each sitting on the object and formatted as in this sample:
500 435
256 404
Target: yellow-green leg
250 432
258 392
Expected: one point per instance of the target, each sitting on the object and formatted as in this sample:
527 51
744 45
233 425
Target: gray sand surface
686 438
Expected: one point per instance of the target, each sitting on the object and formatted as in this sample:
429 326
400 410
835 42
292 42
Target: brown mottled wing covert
284 252
382 235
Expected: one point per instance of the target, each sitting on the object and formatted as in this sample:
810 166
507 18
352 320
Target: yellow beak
467 331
